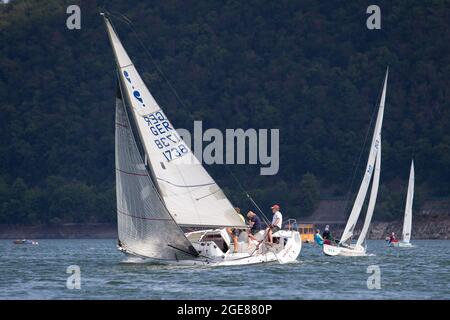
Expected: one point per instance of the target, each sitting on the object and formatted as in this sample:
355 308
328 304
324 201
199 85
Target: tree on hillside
308 195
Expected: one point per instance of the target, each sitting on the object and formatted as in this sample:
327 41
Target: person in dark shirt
255 225
327 237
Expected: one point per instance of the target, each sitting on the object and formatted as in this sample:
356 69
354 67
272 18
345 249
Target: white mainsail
357 206
188 191
372 199
407 222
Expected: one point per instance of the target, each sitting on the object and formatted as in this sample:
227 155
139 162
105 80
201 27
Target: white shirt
277 215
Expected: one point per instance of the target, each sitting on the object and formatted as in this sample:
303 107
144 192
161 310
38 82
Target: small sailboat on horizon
373 167
25 241
161 188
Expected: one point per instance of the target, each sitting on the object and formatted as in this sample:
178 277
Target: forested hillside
310 68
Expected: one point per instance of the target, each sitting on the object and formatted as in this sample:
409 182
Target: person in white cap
277 221
327 236
326 233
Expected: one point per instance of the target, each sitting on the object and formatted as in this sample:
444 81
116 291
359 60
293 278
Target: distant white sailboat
161 187
407 220
345 247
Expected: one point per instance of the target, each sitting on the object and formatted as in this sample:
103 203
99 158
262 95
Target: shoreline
424 227
64 231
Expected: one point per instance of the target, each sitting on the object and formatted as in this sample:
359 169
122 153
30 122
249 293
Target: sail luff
372 199
362 192
123 60
407 220
188 191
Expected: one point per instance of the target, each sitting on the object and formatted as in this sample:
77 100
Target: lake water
39 272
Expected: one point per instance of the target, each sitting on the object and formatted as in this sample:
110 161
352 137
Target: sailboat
407 220
162 190
345 247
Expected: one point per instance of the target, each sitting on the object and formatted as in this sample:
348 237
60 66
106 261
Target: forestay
189 193
144 224
357 206
407 222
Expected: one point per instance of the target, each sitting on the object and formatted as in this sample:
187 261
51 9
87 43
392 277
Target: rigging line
362 149
184 251
130 24
209 194
148 53
216 226
248 195
259 243
197 255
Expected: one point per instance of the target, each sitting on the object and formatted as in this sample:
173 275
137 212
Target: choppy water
39 272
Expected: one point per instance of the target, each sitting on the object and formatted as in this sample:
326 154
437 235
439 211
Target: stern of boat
330 250
292 245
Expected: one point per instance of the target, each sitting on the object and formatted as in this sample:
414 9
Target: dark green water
39 272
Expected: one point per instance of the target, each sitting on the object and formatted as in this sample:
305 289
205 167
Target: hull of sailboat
401 244
282 254
405 244
204 262
356 251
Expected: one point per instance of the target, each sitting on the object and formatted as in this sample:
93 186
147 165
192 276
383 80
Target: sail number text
165 137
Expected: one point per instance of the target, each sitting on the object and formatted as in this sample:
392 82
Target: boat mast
357 206
190 194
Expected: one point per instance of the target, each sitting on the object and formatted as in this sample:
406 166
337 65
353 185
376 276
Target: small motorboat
25 241
394 243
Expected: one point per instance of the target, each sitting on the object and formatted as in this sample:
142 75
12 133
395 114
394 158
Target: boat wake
137 260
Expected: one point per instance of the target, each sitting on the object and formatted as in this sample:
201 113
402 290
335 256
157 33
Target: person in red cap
277 221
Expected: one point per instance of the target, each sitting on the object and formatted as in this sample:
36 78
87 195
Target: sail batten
179 177
362 192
